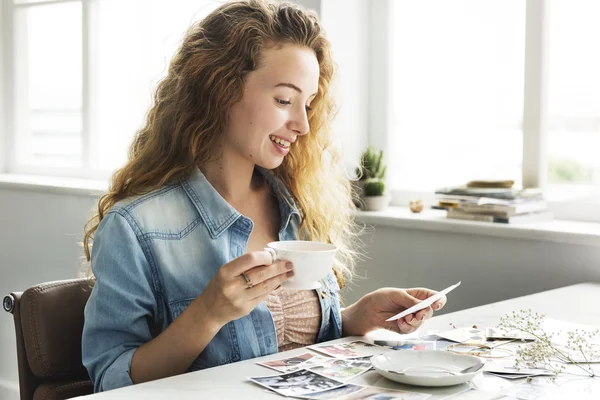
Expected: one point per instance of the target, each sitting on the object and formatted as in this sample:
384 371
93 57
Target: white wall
39 236
40 232
3 87
490 268
311 4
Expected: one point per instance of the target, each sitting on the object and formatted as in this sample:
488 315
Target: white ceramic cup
312 261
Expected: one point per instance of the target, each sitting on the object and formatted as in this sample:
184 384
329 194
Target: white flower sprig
543 353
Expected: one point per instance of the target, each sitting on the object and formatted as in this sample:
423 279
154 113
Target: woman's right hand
228 297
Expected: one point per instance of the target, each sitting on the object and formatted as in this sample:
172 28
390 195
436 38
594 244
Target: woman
235 153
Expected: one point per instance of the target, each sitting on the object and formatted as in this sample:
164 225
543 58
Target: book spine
483 208
501 210
471 217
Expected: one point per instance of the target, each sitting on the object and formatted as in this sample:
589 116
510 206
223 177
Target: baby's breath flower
542 353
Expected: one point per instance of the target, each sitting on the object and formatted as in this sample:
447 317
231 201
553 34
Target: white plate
425 368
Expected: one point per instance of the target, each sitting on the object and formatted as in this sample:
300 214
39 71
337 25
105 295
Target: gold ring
248 281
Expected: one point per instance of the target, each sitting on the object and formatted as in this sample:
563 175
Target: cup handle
272 253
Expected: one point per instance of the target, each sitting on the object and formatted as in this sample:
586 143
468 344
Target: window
83 74
445 95
456 92
574 101
462 83
48 85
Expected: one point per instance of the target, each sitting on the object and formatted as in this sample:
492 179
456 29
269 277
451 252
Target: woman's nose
300 123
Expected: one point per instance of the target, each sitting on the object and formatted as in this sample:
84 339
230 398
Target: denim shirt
154 254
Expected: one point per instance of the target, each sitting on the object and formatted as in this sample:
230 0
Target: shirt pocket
222 349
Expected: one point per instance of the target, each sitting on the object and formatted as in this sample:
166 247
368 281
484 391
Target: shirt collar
287 205
218 215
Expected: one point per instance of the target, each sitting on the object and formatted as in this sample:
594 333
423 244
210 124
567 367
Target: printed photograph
339 393
356 349
313 362
297 383
342 369
415 345
462 335
428 342
366 359
288 364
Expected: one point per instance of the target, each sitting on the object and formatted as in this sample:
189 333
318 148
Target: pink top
297 317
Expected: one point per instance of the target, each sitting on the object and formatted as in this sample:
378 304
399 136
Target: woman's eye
308 108
283 102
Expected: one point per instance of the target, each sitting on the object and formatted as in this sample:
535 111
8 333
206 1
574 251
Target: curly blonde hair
190 110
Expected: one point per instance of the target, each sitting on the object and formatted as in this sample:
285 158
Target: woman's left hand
371 311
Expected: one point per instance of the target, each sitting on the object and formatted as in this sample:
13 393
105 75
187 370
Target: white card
424 304
476 394
464 335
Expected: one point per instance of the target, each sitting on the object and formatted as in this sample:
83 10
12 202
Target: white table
229 381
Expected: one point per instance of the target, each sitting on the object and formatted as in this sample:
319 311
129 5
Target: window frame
6 83
89 112
8 157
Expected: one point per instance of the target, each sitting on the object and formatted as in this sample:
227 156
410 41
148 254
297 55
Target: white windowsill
56 185
559 231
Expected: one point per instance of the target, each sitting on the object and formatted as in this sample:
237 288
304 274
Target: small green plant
371 165
374 187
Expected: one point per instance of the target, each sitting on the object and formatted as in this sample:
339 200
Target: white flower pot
375 203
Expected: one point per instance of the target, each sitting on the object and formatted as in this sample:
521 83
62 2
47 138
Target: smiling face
274 108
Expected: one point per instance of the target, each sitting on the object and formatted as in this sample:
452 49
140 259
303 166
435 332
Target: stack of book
494 201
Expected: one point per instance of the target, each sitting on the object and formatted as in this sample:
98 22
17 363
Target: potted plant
370 187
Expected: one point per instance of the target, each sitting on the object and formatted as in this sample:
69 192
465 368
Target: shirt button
323 294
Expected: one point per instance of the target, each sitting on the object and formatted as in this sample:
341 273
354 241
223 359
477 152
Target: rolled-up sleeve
122 305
